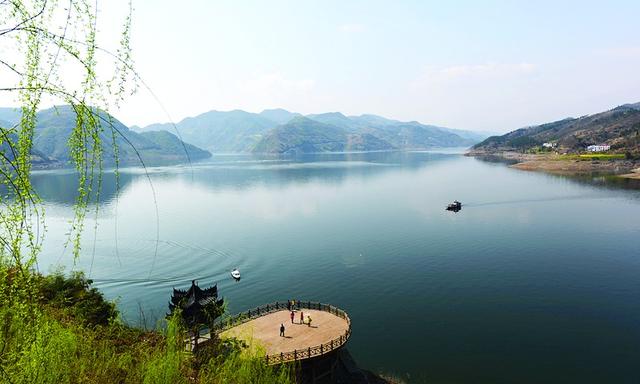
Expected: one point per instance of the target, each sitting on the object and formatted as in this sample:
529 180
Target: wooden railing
296 354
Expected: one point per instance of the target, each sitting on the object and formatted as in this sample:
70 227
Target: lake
537 279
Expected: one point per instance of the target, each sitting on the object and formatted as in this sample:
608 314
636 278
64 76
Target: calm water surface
537 279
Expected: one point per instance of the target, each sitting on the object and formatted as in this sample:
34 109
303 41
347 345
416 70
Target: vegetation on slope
279 116
334 132
54 128
233 131
303 135
619 127
240 131
55 329
68 333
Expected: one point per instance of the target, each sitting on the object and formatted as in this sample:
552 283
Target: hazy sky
489 65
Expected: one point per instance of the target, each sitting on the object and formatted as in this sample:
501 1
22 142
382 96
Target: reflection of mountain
325 168
62 187
611 182
244 171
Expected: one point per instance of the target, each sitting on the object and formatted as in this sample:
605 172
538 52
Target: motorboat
235 273
455 206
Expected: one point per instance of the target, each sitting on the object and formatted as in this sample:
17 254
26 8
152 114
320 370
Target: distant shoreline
563 164
39 166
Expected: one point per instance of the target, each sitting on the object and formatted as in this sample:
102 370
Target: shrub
75 296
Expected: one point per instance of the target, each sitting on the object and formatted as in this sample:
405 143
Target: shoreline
561 165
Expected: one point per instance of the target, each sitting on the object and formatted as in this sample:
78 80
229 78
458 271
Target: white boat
235 274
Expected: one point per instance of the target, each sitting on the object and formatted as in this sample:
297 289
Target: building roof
193 301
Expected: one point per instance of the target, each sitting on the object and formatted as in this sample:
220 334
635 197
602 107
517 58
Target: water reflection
239 172
606 180
531 265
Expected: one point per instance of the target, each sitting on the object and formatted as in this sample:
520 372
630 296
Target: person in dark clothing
292 315
282 330
301 317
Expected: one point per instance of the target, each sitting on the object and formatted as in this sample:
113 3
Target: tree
40 36
197 307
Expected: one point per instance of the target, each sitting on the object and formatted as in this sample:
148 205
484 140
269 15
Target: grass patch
591 156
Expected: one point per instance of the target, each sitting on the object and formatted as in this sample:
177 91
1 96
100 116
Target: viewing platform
330 329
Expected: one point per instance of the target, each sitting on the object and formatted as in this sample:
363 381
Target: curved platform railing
296 354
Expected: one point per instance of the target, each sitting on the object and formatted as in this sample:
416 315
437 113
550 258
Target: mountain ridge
618 127
55 125
304 135
244 132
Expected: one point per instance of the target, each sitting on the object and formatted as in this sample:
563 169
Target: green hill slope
279 115
54 127
10 115
619 127
240 131
303 135
233 131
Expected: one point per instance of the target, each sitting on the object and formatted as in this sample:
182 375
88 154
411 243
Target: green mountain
618 127
279 115
233 131
413 135
10 116
303 135
240 131
9 146
437 136
54 127
336 119
403 135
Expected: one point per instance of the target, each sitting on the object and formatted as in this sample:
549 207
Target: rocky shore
563 164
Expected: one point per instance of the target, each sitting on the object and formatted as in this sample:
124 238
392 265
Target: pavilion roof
194 295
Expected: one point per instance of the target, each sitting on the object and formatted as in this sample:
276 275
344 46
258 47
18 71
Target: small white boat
235 274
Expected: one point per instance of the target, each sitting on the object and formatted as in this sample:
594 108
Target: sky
485 66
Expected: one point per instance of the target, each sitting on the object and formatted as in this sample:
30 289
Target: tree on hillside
197 308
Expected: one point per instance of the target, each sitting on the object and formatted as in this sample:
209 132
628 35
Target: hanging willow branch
50 43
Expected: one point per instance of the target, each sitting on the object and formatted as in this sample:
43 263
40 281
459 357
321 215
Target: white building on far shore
598 148
549 145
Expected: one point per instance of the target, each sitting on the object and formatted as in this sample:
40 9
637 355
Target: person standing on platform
301 317
309 321
282 330
292 315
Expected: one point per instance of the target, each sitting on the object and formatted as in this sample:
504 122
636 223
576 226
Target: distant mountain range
54 127
618 127
275 131
303 135
281 131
